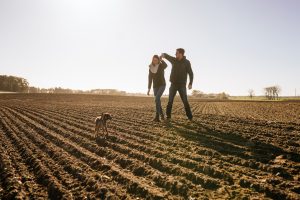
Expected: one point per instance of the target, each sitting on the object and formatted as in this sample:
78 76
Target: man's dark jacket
180 70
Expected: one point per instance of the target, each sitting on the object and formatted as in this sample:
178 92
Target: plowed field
232 149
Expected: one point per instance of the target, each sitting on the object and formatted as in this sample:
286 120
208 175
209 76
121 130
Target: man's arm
190 73
171 59
163 64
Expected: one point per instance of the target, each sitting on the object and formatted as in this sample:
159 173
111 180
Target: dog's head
106 116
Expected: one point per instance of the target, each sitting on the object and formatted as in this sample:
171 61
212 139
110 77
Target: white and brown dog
101 122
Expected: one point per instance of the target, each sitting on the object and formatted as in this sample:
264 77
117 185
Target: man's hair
180 50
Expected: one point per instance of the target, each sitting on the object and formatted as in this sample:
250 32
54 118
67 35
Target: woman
157 76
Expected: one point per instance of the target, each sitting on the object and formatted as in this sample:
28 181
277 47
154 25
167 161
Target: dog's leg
103 129
106 130
96 130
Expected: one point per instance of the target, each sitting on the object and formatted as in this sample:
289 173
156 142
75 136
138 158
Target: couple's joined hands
161 56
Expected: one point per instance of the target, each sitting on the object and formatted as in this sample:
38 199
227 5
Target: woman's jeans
158 92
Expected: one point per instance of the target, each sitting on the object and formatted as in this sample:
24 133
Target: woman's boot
156 118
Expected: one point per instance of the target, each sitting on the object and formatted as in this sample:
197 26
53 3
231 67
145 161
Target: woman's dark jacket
158 78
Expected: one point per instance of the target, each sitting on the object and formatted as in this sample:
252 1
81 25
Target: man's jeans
158 92
183 95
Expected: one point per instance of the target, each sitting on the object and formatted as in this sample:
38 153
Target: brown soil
232 150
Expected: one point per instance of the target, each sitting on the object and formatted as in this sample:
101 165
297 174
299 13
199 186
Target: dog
101 122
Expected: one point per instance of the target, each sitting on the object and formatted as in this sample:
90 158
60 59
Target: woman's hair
155 56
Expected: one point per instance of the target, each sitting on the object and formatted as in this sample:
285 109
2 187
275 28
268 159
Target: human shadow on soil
229 143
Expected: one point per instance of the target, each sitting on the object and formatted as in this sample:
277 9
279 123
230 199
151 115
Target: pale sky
233 45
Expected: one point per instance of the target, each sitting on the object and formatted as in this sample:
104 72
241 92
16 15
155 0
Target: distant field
5 92
262 98
232 149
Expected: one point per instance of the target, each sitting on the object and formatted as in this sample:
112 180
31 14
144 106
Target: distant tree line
13 84
59 90
19 84
271 93
199 94
56 90
107 91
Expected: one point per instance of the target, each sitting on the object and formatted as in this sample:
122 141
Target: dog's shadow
101 141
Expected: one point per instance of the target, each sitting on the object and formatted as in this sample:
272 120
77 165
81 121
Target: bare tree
272 93
277 91
267 92
251 93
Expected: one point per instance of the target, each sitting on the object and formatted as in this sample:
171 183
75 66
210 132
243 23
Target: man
181 67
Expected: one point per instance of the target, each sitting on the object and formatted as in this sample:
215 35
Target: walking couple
181 67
